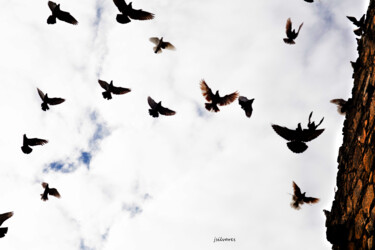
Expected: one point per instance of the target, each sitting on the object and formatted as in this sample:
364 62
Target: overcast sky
130 181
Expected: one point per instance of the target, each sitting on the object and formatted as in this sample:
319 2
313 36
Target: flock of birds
296 138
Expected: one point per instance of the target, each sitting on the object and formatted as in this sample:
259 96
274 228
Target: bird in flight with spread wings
109 88
59 14
49 191
216 99
160 44
291 34
157 108
27 142
4 217
300 198
47 100
359 23
129 13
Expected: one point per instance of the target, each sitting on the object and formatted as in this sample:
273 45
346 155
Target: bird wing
151 102
55 100
140 14
36 141
168 45
120 4
353 20
297 190
66 17
299 29
288 27
362 20
103 84
310 200
52 5
228 99
5 216
166 111
284 132
154 40
119 90
206 91
54 192
41 94
44 184
308 135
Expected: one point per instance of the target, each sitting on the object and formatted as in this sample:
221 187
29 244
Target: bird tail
45 106
3 231
44 197
26 149
288 41
295 205
107 95
154 113
51 19
122 19
212 107
297 146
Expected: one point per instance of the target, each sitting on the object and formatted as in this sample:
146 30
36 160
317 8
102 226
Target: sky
130 181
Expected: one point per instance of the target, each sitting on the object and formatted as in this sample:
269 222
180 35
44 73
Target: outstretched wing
154 40
297 190
119 90
166 111
41 94
36 141
103 84
206 91
310 200
284 132
66 17
52 5
353 20
54 192
308 135
5 216
140 14
168 45
288 27
151 102
299 29
120 4
55 101
228 99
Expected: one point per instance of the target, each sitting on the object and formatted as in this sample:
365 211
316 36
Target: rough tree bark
350 224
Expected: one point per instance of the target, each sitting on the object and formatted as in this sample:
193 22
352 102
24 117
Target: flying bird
46 100
59 14
309 1
246 105
359 23
129 13
49 191
342 105
291 34
160 44
216 99
4 217
31 142
297 138
109 88
299 198
157 108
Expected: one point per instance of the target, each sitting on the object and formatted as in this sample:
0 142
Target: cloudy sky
129 181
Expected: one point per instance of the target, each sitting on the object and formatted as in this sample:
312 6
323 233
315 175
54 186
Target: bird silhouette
299 136
129 13
309 1
160 44
300 198
4 217
216 99
246 105
157 108
109 88
31 142
359 23
46 100
342 105
49 191
59 14
291 34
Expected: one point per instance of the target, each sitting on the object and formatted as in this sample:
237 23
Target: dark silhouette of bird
299 198
59 14
297 138
246 105
129 13
31 142
309 1
109 88
46 100
342 105
4 217
157 108
49 191
291 34
216 99
160 44
359 23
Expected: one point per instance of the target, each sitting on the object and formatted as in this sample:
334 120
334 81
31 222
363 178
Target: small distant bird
4 217
49 191
291 34
31 142
216 99
359 23
46 100
246 105
309 1
109 88
342 105
157 108
160 44
59 14
299 136
129 13
299 198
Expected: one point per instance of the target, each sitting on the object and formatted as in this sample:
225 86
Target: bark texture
350 224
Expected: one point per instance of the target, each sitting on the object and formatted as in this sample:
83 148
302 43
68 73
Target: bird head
111 83
217 93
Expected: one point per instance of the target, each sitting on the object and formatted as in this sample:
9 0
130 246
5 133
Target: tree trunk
350 224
